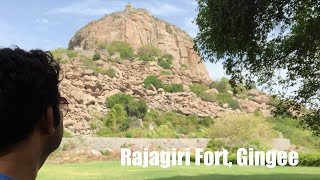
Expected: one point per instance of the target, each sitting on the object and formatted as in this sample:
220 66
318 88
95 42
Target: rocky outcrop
87 91
139 28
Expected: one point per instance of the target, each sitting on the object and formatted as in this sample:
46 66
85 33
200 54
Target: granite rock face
138 28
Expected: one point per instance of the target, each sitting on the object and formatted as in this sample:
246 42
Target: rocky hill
139 28
87 85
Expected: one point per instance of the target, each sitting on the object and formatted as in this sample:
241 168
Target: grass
113 170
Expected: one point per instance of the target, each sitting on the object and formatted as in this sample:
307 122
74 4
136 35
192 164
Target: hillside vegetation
130 116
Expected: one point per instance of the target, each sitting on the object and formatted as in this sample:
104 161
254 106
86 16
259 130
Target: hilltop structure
138 28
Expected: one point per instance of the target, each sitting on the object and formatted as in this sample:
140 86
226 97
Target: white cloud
163 9
85 8
42 21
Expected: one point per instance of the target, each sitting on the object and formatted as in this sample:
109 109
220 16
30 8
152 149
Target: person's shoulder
4 177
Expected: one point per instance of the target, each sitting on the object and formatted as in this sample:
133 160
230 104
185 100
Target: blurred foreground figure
31 112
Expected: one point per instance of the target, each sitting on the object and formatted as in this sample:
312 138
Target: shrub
89 64
206 121
172 88
147 53
96 57
240 130
310 159
71 54
110 72
68 145
184 66
167 57
106 152
104 132
121 47
153 116
166 72
223 98
146 58
216 144
165 65
58 54
165 61
137 108
93 125
67 134
153 80
136 133
222 85
291 129
273 101
200 91
164 131
121 98
117 118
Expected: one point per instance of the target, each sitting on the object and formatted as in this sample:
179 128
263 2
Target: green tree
147 53
117 119
121 98
121 47
258 40
153 80
138 108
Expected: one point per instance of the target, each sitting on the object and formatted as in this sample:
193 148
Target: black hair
28 86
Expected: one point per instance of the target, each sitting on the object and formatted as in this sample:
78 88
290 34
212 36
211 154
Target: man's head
30 101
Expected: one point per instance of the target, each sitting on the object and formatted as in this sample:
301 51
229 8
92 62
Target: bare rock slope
138 28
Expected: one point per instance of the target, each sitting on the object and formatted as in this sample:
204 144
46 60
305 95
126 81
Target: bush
273 101
137 108
110 72
121 47
164 131
135 133
69 145
200 91
67 134
121 98
152 116
184 66
58 53
117 118
93 125
96 57
165 61
71 54
222 86
291 129
311 159
153 80
167 57
172 88
89 64
147 53
216 145
165 65
104 132
223 98
166 72
146 58
241 130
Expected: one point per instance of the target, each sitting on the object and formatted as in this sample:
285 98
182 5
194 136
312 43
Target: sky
47 24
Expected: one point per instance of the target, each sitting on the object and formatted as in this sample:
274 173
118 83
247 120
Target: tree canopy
270 42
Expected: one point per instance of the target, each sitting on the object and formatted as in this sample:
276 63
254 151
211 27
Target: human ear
47 122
